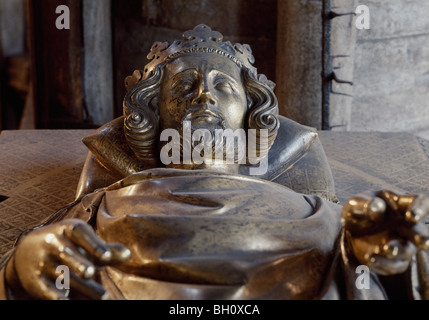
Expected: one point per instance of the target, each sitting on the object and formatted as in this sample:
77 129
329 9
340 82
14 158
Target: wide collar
108 144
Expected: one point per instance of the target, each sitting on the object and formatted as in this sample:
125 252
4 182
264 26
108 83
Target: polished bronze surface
141 228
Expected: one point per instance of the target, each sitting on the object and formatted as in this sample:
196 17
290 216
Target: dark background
329 74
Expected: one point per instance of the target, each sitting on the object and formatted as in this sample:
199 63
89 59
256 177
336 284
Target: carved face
205 89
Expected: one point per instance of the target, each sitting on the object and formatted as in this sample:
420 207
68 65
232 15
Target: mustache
212 142
204 110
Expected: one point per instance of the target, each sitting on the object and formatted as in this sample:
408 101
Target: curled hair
263 113
141 124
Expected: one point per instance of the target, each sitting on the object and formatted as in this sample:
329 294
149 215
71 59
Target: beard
203 138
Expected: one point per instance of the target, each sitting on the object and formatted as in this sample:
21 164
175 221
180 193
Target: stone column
12 27
301 32
299 60
342 41
12 43
98 65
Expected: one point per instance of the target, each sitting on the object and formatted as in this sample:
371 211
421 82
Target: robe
199 234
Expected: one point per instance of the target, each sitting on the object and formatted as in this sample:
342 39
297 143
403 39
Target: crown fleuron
201 39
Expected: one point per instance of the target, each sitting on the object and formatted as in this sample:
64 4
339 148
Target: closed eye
223 84
186 86
185 83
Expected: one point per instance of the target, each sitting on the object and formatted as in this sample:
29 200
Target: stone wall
299 61
391 71
387 64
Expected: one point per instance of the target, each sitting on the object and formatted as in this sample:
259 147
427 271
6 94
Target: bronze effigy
201 190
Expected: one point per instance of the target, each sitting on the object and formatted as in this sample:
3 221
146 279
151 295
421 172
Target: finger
362 214
386 266
395 257
84 236
43 288
359 208
398 249
418 234
120 253
87 288
390 198
80 283
418 210
70 256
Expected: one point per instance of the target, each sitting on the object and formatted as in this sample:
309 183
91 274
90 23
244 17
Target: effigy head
202 39
203 82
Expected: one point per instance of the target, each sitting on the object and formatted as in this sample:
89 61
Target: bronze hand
32 268
385 230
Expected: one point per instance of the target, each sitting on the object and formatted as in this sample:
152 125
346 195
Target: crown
202 39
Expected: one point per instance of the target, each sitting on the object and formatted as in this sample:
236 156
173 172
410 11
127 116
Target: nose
203 94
